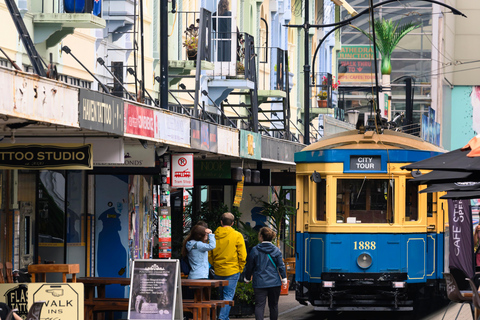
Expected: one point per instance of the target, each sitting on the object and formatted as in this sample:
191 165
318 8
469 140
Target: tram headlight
328 284
398 284
364 260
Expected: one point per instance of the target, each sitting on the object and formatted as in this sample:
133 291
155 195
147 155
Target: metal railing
272 71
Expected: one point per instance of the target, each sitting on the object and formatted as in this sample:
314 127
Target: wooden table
43 269
101 303
202 306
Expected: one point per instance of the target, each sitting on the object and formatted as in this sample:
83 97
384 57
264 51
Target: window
411 202
365 200
321 200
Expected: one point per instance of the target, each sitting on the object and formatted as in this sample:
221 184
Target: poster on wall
155 290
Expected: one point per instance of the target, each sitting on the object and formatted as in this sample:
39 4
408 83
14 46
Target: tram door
26 224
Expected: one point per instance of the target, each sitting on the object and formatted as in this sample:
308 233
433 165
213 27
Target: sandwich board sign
155 290
63 301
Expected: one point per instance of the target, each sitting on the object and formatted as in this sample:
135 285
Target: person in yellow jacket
228 259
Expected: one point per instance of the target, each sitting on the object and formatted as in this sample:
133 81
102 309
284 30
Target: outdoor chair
35 310
475 298
454 294
2 277
9 271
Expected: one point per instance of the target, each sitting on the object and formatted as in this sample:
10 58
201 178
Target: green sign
209 169
250 145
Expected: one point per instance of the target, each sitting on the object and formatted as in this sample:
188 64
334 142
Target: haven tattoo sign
46 156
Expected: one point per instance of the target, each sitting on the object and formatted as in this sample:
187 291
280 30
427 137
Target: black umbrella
441 176
461 195
454 186
455 160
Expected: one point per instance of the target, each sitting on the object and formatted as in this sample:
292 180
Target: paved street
290 309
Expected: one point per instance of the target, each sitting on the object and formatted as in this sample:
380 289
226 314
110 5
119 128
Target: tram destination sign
72 156
365 163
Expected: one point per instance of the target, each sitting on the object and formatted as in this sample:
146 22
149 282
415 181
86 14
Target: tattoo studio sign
46 156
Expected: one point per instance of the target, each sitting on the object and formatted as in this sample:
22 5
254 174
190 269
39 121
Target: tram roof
371 140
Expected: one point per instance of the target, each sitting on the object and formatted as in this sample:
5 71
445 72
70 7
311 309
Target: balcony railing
272 69
69 6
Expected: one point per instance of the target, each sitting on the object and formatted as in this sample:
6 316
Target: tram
366 239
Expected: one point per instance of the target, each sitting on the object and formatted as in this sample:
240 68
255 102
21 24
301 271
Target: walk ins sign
67 156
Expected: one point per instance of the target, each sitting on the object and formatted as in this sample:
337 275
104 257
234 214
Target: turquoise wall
463 118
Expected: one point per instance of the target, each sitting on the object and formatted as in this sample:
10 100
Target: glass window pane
365 200
321 197
411 202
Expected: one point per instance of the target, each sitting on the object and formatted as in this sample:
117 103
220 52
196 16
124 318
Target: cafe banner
66 156
461 236
155 290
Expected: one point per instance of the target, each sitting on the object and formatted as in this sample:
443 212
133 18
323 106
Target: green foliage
277 211
388 34
250 233
244 292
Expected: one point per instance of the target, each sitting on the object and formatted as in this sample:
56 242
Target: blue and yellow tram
366 239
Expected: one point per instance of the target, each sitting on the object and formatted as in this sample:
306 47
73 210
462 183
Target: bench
43 269
213 304
95 305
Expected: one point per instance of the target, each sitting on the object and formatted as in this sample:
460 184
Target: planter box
242 309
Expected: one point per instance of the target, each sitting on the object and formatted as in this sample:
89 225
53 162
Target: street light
306 68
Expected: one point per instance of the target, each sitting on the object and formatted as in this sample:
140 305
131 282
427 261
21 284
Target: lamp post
306 68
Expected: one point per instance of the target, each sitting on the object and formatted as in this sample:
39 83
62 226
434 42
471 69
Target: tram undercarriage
359 292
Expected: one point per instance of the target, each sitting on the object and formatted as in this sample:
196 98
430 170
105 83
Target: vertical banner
238 193
461 236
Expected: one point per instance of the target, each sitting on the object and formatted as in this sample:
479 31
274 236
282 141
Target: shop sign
250 145
365 163
16 297
63 301
238 193
27 96
134 156
211 169
46 156
182 170
228 141
139 121
204 136
355 64
101 112
280 150
172 128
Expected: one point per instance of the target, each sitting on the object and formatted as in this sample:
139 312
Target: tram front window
365 200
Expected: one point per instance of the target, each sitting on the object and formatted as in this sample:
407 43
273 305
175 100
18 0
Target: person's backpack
185 265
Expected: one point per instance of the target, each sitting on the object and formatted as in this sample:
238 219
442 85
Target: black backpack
185 265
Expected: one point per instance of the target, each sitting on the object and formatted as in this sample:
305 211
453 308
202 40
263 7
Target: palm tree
387 35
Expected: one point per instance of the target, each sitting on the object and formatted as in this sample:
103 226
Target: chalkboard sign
155 290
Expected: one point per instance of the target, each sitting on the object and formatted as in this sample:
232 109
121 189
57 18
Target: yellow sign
238 193
356 77
250 144
63 301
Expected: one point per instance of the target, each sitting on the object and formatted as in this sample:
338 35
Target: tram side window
321 199
430 205
365 200
411 202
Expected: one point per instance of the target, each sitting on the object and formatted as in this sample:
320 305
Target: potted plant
244 300
191 40
277 211
322 99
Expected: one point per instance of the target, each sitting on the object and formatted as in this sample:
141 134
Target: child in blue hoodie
196 247
265 264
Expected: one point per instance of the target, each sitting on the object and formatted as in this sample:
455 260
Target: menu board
155 290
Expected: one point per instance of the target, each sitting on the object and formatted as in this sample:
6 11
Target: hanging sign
238 193
182 170
67 156
155 290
